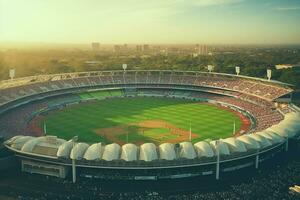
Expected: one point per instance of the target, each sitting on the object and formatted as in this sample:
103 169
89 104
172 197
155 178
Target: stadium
145 124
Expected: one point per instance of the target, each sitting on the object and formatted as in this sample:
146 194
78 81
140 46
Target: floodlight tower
12 73
45 128
124 66
190 134
74 140
210 68
233 130
269 74
237 70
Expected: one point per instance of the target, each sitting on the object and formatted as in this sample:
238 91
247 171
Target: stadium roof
111 152
235 145
187 150
204 149
249 142
94 152
129 152
167 151
148 152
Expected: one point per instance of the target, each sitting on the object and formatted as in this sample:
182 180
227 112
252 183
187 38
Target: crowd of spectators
246 86
265 115
16 121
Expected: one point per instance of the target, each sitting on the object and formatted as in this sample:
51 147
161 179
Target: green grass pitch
89 119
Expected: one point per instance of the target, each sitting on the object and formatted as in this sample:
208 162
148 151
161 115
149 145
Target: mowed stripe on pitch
208 121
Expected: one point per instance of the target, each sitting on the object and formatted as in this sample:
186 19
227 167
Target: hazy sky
150 21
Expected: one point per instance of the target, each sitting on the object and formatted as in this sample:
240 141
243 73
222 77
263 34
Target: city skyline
138 22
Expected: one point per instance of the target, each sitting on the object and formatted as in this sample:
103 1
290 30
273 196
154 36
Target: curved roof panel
292 117
78 151
249 142
11 140
18 142
204 149
60 141
94 152
272 136
267 136
223 148
148 152
129 152
286 129
64 150
111 152
47 145
29 145
264 142
235 145
167 151
187 150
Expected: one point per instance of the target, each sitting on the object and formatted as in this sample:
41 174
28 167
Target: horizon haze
152 22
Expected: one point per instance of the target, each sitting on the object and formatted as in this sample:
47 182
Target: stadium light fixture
269 74
237 70
124 66
210 68
233 130
45 128
190 135
12 73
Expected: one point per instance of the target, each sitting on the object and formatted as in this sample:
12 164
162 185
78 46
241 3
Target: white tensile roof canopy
111 152
129 152
148 152
167 151
94 152
204 149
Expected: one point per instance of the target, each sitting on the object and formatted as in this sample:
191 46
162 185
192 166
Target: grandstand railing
156 164
48 77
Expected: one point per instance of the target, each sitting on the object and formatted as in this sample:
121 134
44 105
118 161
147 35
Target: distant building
201 49
286 66
95 46
121 48
139 48
117 48
125 47
146 47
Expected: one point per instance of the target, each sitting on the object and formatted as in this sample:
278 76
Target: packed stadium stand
23 99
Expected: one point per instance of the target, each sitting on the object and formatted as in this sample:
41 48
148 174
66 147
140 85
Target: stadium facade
275 123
